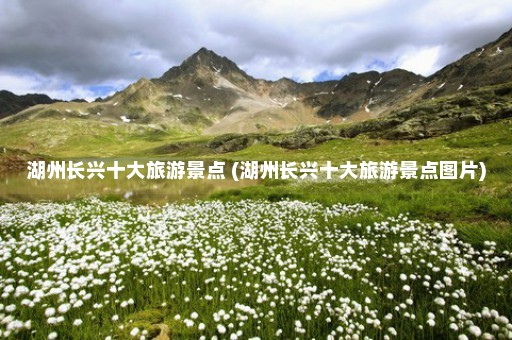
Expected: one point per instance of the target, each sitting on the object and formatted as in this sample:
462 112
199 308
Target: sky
91 48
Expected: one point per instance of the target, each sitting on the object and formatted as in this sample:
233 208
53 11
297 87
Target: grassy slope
84 138
480 210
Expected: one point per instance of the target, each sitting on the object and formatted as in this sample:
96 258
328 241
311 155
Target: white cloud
73 92
275 68
421 61
18 84
52 86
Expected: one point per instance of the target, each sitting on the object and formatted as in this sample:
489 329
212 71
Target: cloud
87 44
421 61
18 83
29 82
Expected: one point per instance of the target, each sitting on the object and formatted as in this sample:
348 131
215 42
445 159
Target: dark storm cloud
83 40
47 45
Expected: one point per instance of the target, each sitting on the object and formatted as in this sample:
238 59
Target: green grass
287 261
74 138
251 236
480 210
471 205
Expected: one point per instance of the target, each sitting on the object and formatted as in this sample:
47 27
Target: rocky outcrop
235 142
307 137
432 118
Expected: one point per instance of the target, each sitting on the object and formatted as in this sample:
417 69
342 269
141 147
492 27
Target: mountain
487 65
201 69
210 94
365 95
206 92
11 103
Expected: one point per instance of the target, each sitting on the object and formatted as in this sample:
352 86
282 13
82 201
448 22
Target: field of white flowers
106 270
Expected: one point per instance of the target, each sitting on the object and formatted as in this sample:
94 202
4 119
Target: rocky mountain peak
204 61
205 57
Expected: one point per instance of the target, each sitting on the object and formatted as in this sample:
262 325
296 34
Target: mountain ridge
209 94
486 65
11 103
